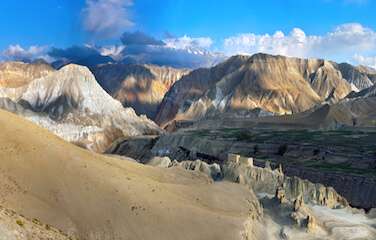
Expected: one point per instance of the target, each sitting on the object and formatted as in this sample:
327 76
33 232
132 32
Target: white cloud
340 44
113 51
18 53
366 61
187 42
107 18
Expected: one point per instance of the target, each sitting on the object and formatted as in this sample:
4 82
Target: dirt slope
96 197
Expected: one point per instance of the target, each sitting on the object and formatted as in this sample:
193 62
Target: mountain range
276 85
139 151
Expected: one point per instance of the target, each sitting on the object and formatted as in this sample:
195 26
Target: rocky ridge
70 103
274 84
297 209
268 181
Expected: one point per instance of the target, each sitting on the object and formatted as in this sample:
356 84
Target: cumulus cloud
340 44
139 38
366 61
18 53
113 51
107 18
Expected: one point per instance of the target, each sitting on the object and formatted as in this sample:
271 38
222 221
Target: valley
344 159
245 147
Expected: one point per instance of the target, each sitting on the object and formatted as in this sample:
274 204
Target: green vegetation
339 167
20 222
314 149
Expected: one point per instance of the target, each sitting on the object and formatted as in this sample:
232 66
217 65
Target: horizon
198 26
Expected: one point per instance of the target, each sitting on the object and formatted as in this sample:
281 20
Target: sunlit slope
97 197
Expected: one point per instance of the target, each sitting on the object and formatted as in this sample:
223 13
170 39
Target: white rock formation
71 104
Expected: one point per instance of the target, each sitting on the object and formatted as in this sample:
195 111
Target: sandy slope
16 227
98 197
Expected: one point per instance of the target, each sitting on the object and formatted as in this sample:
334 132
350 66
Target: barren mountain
91 196
360 76
357 112
16 74
70 103
141 87
272 84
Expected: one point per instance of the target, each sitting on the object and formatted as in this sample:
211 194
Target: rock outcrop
70 103
211 170
141 87
268 181
274 84
347 163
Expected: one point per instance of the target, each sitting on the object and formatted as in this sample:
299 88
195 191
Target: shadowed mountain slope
141 87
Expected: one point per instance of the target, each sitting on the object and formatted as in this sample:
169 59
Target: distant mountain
273 84
161 55
168 56
15 74
82 55
71 103
349 112
141 87
360 76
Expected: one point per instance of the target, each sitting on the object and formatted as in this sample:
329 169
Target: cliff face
341 159
70 103
141 87
268 181
274 84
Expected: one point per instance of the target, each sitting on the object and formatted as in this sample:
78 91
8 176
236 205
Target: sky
340 30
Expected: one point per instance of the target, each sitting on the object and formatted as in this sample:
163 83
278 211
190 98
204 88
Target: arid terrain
243 150
187 120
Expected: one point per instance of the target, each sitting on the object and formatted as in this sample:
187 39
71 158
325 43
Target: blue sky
222 18
62 23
